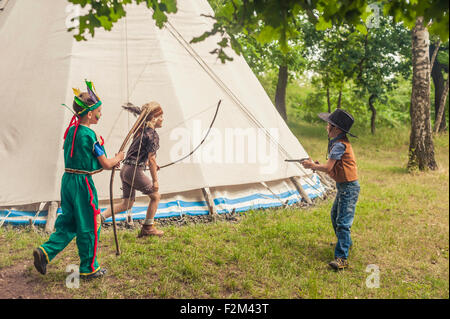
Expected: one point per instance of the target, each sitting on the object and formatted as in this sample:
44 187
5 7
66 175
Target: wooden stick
136 126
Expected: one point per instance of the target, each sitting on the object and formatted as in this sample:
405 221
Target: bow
134 129
204 138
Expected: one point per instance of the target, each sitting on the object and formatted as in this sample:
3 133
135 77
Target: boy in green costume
84 155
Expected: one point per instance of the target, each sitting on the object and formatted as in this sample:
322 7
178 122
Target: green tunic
79 203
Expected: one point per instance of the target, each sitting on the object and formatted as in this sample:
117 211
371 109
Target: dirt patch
17 282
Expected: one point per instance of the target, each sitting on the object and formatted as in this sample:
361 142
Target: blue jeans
342 214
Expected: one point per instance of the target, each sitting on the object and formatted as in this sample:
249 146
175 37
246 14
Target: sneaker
99 273
339 264
40 261
150 230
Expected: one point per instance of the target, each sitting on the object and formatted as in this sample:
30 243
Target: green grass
401 225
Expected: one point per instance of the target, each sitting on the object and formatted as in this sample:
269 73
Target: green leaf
223 43
267 34
235 45
322 24
160 18
361 28
171 6
105 22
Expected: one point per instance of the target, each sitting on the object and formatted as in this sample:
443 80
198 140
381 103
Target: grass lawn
401 226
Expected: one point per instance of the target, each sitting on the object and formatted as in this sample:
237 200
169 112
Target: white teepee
241 164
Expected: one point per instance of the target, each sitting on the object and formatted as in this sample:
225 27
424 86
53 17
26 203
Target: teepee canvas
241 163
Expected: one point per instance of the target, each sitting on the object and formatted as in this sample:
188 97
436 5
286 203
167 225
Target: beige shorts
141 181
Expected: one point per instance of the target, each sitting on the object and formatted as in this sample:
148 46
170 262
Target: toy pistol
297 160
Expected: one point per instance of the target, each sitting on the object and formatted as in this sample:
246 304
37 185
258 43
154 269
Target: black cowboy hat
339 118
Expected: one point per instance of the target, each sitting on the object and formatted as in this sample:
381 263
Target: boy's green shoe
339 264
98 274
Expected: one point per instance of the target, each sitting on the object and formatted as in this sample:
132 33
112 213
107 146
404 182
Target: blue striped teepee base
226 199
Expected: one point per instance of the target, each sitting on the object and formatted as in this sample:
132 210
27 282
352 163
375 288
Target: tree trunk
440 113
421 147
374 113
328 100
439 85
280 94
339 98
435 52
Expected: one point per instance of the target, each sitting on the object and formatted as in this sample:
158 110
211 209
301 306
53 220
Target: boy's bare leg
148 228
119 207
153 206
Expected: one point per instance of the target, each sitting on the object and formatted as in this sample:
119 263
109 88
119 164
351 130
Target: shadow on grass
320 253
397 170
386 170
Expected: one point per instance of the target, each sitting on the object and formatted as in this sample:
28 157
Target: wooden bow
201 142
137 125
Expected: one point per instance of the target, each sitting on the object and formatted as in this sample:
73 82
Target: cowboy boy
341 166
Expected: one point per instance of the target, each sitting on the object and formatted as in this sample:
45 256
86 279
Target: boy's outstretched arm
109 163
316 166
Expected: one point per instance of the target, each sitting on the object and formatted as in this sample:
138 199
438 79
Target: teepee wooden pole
300 189
208 197
51 217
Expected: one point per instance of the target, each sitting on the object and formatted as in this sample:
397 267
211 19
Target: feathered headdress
75 121
136 111
154 109
92 94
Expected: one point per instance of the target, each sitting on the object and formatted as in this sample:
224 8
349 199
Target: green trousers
80 218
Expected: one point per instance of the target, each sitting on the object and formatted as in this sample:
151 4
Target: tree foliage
274 20
104 13
355 58
371 61
279 18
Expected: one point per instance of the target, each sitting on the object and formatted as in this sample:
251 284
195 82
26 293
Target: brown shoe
150 230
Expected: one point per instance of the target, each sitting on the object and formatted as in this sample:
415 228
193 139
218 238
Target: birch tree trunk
421 147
